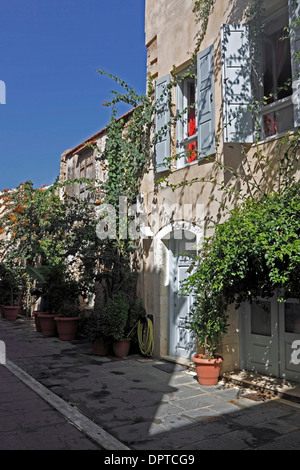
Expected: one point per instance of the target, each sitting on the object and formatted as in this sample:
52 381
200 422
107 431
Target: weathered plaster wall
171 31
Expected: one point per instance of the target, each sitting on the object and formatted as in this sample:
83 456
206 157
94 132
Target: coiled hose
145 336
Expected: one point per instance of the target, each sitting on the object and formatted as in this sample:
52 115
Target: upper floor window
80 167
277 112
195 128
86 172
186 132
274 70
276 75
195 132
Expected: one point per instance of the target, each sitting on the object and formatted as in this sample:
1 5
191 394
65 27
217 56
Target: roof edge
93 139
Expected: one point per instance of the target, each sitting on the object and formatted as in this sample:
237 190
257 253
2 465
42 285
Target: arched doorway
175 246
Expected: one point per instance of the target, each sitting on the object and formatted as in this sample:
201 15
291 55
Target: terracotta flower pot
37 321
100 348
10 312
66 327
121 348
208 370
47 323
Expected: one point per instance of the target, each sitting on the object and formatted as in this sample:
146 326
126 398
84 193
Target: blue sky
50 51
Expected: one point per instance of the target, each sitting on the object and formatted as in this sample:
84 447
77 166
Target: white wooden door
262 337
289 339
272 332
181 341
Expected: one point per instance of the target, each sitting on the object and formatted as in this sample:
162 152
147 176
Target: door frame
161 281
173 266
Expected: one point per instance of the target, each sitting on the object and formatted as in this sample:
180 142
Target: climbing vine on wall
128 143
202 10
125 160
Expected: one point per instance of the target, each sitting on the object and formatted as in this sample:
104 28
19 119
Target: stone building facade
219 128
214 125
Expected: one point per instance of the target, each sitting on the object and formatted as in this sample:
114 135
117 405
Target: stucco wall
171 32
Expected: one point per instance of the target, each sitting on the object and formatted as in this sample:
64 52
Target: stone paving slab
27 422
138 402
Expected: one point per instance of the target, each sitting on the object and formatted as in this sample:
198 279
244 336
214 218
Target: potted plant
66 324
48 287
115 317
60 298
94 332
69 311
120 318
10 291
36 292
209 324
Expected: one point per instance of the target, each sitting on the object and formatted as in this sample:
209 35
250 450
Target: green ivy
128 143
251 255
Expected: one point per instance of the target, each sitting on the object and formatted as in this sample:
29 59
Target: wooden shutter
236 83
206 102
294 15
162 126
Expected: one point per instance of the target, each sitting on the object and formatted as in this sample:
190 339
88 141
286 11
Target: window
195 128
261 319
292 317
277 112
186 133
277 69
86 172
195 133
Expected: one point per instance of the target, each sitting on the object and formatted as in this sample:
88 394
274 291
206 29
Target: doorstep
281 388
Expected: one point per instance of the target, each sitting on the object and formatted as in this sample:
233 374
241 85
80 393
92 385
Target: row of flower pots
54 324
119 348
45 323
66 329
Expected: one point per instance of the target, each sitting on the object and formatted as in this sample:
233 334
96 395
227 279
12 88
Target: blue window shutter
236 83
206 102
162 125
294 15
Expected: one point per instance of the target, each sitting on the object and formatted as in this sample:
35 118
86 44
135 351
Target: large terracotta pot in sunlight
208 370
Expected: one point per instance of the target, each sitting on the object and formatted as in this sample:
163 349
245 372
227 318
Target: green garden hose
145 337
